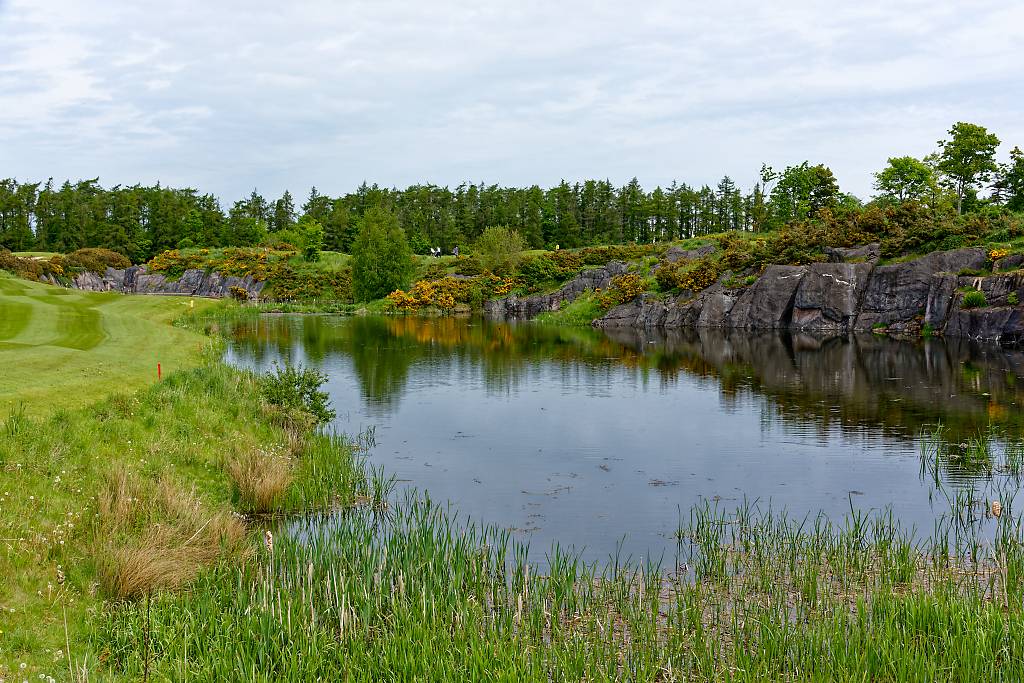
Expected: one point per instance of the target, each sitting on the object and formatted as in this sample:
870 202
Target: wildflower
997 508
268 540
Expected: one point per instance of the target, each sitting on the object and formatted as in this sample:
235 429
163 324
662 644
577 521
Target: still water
601 441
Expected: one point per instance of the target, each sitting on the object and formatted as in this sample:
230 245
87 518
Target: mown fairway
64 348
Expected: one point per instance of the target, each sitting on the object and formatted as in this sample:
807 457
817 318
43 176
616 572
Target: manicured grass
62 348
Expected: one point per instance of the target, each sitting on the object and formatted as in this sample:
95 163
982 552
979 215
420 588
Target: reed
418 592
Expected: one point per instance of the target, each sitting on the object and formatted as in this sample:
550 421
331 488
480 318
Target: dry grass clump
158 535
259 479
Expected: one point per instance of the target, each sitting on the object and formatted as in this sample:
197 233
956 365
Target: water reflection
584 438
858 383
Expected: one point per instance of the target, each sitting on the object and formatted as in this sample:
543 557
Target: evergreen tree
283 216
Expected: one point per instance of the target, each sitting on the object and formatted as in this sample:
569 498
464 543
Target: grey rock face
136 280
829 295
896 294
1001 323
837 298
644 312
768 303
679 254
524 308
869 253
1008 263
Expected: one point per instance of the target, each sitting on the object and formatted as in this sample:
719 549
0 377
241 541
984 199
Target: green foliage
499 249
95 260
801 191
297 388
623 288
974 299
1013 299
580 312
314 235
1009 185
381 259
966 159
537 271
469 266
905 179
692 276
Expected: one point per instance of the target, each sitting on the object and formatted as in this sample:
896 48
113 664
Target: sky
229 96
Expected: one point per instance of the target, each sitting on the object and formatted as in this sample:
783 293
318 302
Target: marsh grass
753 594
259 480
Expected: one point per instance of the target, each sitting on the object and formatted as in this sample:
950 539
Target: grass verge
139 494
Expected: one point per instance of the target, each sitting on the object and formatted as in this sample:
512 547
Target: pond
601 442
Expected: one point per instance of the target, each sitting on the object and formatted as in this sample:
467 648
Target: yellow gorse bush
623 288
447 292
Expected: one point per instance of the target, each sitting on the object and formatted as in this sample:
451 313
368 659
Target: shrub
96 260
381 259
467 265
694 276
598 256
1013 299
22 267
568 263
446 292
623 288
239 294
297 388
974 299
499 249
538 270
174 263
435 271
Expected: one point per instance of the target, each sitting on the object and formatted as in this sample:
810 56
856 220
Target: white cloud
228 96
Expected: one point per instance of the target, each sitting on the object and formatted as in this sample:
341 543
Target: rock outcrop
898 293
868 253
193 282
828 297
849 294
674 254
530 306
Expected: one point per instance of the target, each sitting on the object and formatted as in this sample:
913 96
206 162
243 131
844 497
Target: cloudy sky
227 96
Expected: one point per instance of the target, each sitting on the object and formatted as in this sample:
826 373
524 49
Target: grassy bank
140 493
62 348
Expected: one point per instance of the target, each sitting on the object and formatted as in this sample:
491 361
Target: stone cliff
847 294
193 282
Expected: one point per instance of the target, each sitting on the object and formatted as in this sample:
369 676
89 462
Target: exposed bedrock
847 295
193 282
531 306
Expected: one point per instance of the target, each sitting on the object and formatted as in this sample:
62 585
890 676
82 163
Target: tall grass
141 493
418 592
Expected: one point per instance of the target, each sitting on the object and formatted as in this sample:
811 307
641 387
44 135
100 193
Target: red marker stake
158 373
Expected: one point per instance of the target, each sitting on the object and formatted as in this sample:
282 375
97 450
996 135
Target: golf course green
61 348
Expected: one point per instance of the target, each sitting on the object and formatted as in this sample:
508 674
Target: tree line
142 221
